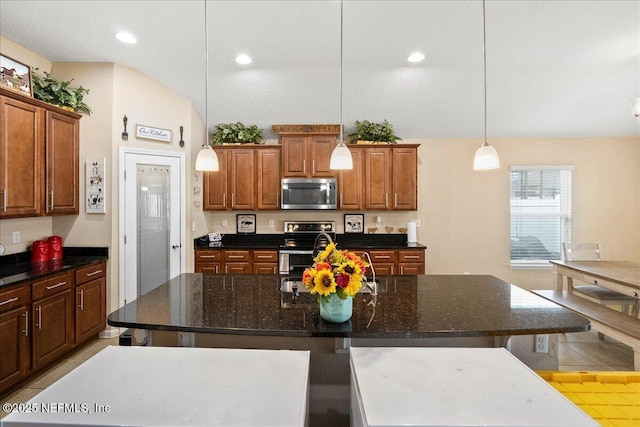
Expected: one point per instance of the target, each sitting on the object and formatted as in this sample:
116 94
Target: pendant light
207 159
486 157
341 156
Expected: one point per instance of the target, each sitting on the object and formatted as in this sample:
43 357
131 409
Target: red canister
40 251
55 247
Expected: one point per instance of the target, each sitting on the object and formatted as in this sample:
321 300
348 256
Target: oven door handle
297 252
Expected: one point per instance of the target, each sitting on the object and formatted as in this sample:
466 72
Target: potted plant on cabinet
236 133
373 133
59 92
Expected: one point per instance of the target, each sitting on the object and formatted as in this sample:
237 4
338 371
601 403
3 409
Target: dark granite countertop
405 307
17 268
273 241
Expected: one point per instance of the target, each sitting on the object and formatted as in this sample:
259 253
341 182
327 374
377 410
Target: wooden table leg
559 280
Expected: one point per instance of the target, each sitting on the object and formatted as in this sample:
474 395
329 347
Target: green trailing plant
59 92
236 133
376 132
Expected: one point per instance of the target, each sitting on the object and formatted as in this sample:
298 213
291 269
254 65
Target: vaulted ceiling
564 68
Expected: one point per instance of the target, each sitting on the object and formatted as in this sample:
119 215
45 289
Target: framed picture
153 133
246 224
354 223
15 75
95 179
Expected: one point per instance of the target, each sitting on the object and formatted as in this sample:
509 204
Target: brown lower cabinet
46 319
236 261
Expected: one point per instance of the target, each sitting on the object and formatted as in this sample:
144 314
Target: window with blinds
540 214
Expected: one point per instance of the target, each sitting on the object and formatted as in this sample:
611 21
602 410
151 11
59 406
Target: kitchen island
426 306
256 311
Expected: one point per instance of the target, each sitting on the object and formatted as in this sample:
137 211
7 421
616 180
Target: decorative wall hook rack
125 135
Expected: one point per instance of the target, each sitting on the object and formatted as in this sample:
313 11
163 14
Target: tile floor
577 352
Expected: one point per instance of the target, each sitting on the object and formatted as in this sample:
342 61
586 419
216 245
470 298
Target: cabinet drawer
236 256
14 297
91 272
382 256
410 256
51 285
208 255
265 256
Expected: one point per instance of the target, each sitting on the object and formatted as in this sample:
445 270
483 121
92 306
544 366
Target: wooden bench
615 324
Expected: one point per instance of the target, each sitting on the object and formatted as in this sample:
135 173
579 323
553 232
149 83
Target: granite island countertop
425 306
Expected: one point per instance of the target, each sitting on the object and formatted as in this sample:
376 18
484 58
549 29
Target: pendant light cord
341 60
484 59
206 77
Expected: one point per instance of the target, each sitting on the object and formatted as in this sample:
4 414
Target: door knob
176 246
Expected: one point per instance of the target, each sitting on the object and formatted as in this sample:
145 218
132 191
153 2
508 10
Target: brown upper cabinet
391 177
248 179
306 149
39 160
307 156
62 160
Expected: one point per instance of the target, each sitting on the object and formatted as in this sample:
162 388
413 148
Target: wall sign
155 134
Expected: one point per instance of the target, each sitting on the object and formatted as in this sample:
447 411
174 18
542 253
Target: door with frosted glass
153 239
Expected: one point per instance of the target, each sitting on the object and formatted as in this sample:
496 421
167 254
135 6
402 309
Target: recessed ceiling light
243 59
126 38
415 57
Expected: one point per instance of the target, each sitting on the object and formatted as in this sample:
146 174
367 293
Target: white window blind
540 214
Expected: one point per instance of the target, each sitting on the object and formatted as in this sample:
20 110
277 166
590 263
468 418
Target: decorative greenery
59 92
234 133
376 132
335 272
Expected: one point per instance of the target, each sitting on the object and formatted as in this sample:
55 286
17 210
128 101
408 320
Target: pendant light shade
486 157
341 156
207 159
635 107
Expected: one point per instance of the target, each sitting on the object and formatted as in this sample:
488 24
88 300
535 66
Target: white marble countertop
156 386
448 387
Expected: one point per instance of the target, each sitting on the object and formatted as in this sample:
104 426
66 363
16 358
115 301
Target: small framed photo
354 223
246 224
15 75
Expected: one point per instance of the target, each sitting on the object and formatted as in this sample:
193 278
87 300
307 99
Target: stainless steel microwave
309 193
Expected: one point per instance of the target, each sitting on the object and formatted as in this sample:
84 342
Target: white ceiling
554 68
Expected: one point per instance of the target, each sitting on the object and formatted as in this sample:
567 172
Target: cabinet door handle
39 310
4 197
304 167
264 256
236 256
207 256
224 199
313 167
395 200
411 257
386 200
56 285
93 273
51 199
9 300
26 323
81 306
341 200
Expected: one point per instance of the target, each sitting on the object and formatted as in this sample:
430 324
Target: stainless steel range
302 239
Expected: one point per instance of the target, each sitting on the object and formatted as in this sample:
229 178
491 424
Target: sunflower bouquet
335 272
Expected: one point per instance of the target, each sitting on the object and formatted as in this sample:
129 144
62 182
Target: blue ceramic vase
336 310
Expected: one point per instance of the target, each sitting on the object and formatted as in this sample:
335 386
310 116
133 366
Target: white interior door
152 225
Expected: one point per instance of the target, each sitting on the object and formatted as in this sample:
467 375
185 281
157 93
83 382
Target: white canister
412 233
